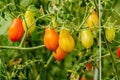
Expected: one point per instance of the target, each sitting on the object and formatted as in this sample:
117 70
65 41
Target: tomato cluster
17 27
60 45
87 38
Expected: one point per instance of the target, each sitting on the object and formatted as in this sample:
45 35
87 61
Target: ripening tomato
15 30
118 52
110 34
30 21
83 77
93 20
51 39
88 66
87 38
66 41
59 54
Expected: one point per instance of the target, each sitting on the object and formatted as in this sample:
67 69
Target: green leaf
4 23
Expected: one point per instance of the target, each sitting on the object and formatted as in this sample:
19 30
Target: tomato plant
15 30
51 31
110 40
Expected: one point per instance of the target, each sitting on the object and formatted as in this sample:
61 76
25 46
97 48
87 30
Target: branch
21 48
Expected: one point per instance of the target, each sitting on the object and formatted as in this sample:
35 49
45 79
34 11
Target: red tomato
118 52
15 30
59 54
51 39
88 66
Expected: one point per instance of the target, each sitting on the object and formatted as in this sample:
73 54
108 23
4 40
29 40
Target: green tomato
110 34
87 38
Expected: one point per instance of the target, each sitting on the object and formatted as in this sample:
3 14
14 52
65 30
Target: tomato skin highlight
66 41
15 30
110 34
59 54
87 38
93 20
118 52
51 39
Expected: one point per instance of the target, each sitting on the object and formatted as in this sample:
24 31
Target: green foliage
31 60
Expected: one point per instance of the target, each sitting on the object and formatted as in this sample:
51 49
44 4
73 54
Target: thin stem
116 12
21 48
10 4
20 45
106 55
24 36
49 60
84 19
83 63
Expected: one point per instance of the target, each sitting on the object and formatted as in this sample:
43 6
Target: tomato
118 52
110 34
30 21
88 66
93 20
51 39
59 54
15 30
66 41
87 38
83 77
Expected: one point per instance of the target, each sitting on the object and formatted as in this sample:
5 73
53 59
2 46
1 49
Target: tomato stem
49 60
21 48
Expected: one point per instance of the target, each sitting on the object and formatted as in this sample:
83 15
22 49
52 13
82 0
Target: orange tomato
83 77
59 54
93 20
15 30
51 39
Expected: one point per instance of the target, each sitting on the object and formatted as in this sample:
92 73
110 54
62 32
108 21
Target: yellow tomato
87 38
110 34
66 41
30 21
93 20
